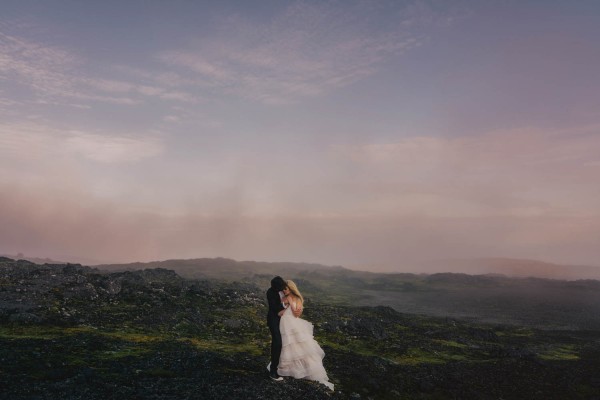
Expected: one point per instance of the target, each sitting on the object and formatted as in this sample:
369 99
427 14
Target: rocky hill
534 302
74 332
513 267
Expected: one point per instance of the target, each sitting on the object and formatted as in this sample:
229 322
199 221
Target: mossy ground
417 356
190 339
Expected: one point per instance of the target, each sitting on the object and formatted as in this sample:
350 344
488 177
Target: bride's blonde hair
294 289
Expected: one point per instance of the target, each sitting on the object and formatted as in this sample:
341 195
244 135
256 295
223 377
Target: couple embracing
294 351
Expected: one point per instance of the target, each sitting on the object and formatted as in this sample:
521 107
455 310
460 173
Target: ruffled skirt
301 356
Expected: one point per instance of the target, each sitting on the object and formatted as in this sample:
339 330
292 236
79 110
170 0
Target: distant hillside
228 269
53 260
225 268
547 303
512 267
538 302
35 260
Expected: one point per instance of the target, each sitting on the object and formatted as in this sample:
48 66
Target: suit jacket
274 305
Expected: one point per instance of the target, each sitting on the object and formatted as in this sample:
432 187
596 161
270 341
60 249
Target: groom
275 299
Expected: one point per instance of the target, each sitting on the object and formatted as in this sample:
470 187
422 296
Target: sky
371 134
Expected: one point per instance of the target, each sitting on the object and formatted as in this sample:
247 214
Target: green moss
451 343
28 332
415 356
128 351
41 332
253 347
365 347
515 333
560 353
135 337
54 332
522 332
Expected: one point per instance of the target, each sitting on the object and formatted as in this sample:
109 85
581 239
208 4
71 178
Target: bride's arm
297 310
286 303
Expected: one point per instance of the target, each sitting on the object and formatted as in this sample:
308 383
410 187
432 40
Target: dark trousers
275 343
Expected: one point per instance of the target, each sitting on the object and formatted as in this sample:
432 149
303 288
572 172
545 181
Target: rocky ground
73 332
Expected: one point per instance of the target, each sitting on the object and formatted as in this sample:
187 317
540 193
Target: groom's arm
274 301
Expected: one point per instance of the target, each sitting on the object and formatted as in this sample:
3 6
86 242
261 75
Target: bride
301 355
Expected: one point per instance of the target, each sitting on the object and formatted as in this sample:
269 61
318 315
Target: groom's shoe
276 377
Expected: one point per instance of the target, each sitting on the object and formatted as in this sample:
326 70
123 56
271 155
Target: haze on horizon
358 133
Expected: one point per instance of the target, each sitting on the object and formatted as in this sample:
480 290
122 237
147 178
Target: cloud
69 222
35 141
72 222
495 195
112 149
50 72
25 140
179 96
53 73
43 68
520 172
8 102
133 89
531 149
150 90
171 118
307 50
110 85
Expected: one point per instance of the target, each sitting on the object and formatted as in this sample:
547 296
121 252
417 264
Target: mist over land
510 267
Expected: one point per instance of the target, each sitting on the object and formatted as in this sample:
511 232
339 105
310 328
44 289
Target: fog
73 227
380 136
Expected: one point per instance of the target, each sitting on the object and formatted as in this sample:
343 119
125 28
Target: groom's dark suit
273 322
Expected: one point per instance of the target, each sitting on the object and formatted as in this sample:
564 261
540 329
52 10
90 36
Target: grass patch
253 347
560 353
55 332
135 337
450 343
128 351
40 332
416 356
413 356
26 332
401 328
353 347
521 332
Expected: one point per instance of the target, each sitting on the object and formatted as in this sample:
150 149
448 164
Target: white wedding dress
301 355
